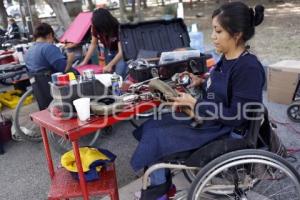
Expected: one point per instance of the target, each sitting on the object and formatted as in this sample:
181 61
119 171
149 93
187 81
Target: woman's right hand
82 63
196 80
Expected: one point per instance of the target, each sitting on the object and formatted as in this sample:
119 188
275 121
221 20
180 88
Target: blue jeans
121 67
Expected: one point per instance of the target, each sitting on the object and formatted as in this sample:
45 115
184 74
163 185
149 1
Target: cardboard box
283 79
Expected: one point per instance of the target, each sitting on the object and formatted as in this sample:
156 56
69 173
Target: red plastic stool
64 186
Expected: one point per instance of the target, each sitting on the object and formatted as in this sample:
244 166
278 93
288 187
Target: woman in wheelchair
237 80
42 59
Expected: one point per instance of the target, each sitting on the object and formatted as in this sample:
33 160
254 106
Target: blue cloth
121 67
158 177
233 82
44 56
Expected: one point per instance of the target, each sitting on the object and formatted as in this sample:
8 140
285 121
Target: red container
5 131
5 59
63 79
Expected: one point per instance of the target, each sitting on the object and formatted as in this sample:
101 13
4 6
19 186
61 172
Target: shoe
138 194
170 194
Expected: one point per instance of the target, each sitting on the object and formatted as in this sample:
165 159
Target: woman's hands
184 102
196 81
107 69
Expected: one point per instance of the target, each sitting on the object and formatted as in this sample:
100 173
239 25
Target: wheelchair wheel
190 174
61 145
293 112
246 174
22 123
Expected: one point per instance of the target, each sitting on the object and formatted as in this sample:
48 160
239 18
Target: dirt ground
277 38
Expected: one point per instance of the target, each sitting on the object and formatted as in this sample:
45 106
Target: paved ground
23 169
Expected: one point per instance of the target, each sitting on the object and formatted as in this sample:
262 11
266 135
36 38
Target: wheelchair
233 168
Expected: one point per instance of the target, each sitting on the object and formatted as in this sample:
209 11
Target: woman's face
222 40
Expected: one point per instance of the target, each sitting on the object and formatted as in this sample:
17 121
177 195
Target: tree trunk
24 13
33 13
61 12
145 4
3 15
139 12
133 8
122 10
73 7
91 6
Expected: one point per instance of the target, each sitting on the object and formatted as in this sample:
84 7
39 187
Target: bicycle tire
16 120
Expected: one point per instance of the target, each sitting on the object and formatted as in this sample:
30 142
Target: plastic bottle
180 11
115 80
20 55
196 38
194 28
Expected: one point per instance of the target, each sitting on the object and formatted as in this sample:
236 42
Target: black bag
268 138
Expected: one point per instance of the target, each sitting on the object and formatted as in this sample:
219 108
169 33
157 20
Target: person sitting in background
13 31
105 29
42 59
44 55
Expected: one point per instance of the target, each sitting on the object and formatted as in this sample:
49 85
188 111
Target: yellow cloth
71 76
87 155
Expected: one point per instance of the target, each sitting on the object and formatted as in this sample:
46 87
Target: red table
62 186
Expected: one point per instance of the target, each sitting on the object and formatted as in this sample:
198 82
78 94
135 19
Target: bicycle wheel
247 174
61 145
22 123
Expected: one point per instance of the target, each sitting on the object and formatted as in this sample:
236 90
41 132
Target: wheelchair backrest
256 118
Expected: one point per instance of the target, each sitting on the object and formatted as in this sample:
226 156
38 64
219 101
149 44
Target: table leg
115 194
80 170
48 152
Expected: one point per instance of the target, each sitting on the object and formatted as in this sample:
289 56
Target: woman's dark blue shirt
232 84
